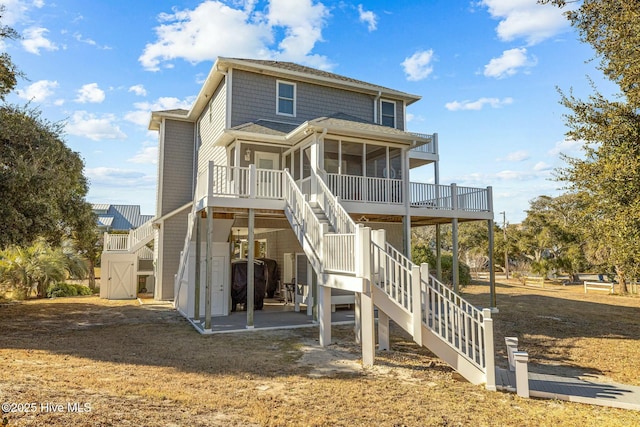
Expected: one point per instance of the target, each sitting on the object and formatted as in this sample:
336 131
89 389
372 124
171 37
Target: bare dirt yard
90 362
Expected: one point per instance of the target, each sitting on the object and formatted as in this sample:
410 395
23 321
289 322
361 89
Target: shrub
423 254
67 290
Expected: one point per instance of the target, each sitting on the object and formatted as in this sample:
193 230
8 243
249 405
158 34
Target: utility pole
506 247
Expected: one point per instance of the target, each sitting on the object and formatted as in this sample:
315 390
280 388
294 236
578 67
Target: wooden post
454 263
522 373
196 296
438 254
208 269
357 312
251 268
492 273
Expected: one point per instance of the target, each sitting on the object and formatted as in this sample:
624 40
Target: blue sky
487 72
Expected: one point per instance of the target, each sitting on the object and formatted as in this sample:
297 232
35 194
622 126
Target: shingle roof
267 127
297 68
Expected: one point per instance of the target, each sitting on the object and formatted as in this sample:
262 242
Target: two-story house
314 168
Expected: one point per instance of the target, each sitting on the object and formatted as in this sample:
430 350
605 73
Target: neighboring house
315 166
127 261
119 217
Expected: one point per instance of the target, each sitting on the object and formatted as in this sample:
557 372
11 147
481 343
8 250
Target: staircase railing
179 279
303 220
456 321
337 215
131 241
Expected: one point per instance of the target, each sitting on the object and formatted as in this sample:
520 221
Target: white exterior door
121 283
219 292
268 184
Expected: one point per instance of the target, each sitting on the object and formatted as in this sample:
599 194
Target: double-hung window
286 102
388 113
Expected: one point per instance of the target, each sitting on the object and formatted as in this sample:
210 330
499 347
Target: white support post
363 252
489 352
522 373
210 181
253 181
357 312
324 311
455 272
416 304
251 268
383 330
368 341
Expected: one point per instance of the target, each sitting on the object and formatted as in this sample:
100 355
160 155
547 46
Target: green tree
423 254
9 73
42 186
552 235
607 178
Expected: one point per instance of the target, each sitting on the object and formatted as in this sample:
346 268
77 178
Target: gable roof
281 69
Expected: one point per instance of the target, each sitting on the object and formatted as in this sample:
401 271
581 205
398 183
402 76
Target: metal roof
120 217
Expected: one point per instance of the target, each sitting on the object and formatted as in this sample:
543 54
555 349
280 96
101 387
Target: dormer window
388 113
286 102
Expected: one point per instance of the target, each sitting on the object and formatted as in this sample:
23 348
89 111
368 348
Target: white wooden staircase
352 257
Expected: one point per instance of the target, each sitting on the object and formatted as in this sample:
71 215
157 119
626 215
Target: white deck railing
129 242
238 181
116 242
354 188
449 197
428 147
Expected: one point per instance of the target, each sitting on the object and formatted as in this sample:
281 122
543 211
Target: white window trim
395 118
295 93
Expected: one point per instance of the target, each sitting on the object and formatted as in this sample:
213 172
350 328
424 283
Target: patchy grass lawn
146 366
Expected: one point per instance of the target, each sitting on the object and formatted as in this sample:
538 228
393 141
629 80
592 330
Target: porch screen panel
331 160
395 173
352 183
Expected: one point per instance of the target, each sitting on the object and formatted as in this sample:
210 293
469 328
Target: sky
488 72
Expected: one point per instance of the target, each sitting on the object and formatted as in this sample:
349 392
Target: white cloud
569 147
90 93
138 90
478 105
526 19
142 114
215 29
16 10
34 39
96 128
516 156
508 64
118 177
542 167
418 66
38 91
148 155
369 18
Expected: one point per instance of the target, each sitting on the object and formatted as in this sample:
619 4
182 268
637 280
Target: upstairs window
388 113
286 102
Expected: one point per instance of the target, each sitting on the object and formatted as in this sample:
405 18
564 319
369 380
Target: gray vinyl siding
211 125
175 228
254 97
177 170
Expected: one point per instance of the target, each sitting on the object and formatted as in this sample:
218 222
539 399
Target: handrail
308 225
337 215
